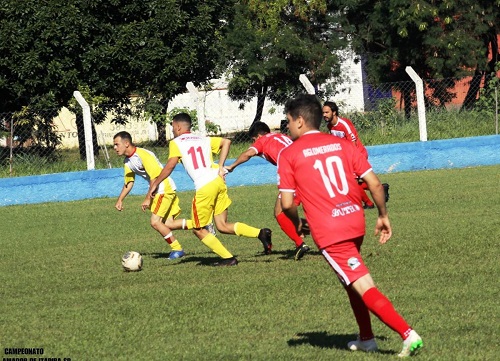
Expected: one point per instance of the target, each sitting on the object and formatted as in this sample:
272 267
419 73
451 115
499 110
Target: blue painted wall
438 154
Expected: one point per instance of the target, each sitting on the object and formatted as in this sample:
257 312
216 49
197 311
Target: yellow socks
242 229
176 246
216 246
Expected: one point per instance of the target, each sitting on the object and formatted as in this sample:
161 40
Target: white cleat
411 345
366 346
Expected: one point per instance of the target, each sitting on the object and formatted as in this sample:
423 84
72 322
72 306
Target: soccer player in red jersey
344 128
318 168
268 145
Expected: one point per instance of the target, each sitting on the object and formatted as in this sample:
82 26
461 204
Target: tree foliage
49 49
269 44
438 38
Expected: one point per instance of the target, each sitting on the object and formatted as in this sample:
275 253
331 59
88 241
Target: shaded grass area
63 288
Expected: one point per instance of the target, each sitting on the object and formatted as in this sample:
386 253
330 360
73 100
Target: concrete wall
403 157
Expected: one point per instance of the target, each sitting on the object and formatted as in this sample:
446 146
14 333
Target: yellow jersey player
165 205
211 197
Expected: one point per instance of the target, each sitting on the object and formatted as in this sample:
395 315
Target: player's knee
155 223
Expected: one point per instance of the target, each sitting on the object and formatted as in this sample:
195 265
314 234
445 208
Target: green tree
269 44
438 38
113 48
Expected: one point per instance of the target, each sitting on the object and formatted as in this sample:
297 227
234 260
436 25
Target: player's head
122 142
258 128
304 113
181 123
330 109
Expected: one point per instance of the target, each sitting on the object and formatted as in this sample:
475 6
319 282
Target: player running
318 168
211 197
268 145
165 204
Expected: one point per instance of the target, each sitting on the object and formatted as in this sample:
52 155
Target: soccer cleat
176 254
301 250
386 191
411 345
211 228
265 238
369 206
226 262
366 346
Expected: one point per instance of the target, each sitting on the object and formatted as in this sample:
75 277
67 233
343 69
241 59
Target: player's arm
383 225
164 174
225 144
290 208
125 191
242 158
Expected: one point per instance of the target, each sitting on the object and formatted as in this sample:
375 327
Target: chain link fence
53 141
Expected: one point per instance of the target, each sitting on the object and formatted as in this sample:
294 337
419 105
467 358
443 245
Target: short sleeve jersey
145 164
195 153
270 145
345 129
318 168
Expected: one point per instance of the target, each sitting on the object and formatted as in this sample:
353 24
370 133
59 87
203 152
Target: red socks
361 314
289 228
381 307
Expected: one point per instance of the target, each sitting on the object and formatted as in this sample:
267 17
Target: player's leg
290 230
348 264
343 259
201 214
238 228
165 206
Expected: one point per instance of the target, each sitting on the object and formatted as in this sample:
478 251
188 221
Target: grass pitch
63 289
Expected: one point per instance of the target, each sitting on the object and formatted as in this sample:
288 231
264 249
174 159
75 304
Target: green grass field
63 289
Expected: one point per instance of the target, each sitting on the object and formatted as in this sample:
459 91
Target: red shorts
345 260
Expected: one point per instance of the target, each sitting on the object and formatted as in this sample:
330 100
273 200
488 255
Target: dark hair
307 106
125 136
182 117
333 106
258 128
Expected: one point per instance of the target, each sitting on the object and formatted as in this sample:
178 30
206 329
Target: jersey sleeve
129 175
173 150
150 163
215 143
258 146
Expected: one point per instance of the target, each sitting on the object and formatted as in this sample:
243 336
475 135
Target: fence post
419 87
307 84
87 125
200 108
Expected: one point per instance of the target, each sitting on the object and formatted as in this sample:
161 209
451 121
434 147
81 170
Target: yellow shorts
211 199
166 205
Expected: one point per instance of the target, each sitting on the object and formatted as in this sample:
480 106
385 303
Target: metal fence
53 141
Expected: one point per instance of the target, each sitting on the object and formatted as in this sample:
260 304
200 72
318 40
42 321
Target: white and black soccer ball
132 261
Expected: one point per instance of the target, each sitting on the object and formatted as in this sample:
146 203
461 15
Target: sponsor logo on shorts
353 262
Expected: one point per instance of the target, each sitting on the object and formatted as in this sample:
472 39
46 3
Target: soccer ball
132 261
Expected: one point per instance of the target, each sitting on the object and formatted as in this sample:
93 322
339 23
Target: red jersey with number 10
319 168
270 145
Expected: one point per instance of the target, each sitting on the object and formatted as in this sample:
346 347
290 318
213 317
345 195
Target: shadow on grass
201 260
290 254
332 341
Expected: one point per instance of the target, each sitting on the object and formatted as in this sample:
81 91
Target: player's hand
383 229
146 203
119 206
222 172
152 192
